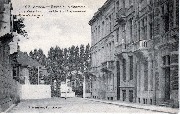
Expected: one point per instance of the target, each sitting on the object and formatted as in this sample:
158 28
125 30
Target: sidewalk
10 108
138 106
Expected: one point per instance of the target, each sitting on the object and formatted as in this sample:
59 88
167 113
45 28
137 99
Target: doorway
167 83
118 80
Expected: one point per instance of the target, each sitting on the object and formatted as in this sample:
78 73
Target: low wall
88 95
71 94
35 91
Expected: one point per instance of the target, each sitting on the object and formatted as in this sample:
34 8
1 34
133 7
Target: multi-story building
103 58
8 86
135 51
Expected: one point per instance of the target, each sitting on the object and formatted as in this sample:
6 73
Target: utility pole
66 88
84 87
38 75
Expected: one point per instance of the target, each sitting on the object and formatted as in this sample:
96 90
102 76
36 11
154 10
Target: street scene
73 105
81 56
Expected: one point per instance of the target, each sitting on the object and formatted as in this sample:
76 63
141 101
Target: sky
61 29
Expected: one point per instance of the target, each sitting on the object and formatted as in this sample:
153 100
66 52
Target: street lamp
66 68
84 87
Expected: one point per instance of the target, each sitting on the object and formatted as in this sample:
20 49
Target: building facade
135 51
9 92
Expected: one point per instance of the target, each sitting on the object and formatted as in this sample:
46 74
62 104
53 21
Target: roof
25 60
96 14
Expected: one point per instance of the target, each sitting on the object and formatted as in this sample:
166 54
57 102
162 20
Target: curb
130 106
10 108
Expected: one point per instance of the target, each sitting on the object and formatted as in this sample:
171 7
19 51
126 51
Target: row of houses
14 65
134 53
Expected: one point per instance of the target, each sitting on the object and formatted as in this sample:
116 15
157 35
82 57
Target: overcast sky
62 29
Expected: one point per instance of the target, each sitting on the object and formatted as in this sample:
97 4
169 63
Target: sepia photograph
89 56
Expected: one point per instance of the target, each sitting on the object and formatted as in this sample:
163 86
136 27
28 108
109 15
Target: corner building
9 87
135 51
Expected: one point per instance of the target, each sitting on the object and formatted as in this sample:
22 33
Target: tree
40 57
87 57
18 26
65 63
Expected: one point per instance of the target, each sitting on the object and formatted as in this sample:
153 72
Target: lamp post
84 87
66 68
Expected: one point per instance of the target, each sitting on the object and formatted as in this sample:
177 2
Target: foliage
18 26
68 63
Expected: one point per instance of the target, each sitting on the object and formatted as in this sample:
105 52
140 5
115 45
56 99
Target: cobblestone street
71 105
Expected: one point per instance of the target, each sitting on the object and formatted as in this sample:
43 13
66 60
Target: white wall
35 91
71 94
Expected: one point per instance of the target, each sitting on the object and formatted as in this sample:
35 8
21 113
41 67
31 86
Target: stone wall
9 92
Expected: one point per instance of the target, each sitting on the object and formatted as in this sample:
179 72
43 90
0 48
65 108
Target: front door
167 83
118 80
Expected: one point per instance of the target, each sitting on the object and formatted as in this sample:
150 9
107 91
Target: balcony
121 48
141 48
142 45
107 66
121 15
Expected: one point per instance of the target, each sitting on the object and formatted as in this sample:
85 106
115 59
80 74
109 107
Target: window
151 80
123 2
130 29
166 22
130 3
110 23
157 81
15 73
124 70
151 101
177 12
162 9
150 30
131 67
166 60
124 33
130 95
146 76
144 28
117 5
151 25
124 95
102 29
99 31
96 35
106 30
135 32
117 35
139 100
139 30
144 101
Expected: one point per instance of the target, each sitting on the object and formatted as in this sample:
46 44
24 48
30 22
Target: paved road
71 105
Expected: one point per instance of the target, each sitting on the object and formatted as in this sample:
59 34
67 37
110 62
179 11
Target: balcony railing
143 44
121 48
108 66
